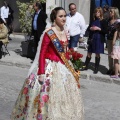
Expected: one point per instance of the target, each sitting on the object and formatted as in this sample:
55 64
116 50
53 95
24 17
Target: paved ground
101 100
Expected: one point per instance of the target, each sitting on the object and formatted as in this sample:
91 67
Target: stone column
84 9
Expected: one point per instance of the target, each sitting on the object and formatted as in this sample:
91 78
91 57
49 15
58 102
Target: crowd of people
104 29
52 75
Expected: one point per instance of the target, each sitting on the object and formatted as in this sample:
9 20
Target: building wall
84 8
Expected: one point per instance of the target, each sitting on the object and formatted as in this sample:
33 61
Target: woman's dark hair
54 13
1 21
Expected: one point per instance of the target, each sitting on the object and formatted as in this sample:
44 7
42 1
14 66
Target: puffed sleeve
43 51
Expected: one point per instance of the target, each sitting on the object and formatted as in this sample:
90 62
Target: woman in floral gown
51 90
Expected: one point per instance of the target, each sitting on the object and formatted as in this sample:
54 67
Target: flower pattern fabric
56 98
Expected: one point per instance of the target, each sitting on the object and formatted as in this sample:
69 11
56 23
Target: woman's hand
41 78
94 28
97 28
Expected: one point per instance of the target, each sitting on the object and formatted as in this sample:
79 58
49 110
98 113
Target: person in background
50 78
114 15
3 35
106 13
38 22
10 21
4 12
97 30
75 24
116 50
106 16
7 16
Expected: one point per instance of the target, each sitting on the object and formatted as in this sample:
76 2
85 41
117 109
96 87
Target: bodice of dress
48 51
111 31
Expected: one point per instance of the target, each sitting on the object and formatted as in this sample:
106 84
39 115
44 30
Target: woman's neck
59 28
112 20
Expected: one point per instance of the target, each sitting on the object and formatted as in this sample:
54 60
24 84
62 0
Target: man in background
76 25
38 22
4 12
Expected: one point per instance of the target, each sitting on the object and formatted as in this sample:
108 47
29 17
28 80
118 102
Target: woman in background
114 15
97 30
116 50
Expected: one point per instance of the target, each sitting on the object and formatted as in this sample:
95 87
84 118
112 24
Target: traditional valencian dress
58 96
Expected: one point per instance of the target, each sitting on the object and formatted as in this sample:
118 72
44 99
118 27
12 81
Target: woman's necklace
61 33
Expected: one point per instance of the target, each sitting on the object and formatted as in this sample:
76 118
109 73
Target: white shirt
4 12
75 24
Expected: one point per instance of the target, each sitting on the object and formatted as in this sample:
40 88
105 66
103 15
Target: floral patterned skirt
116 52
57 98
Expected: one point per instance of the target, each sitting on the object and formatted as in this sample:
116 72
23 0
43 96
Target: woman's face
111 13
60 18
97 14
